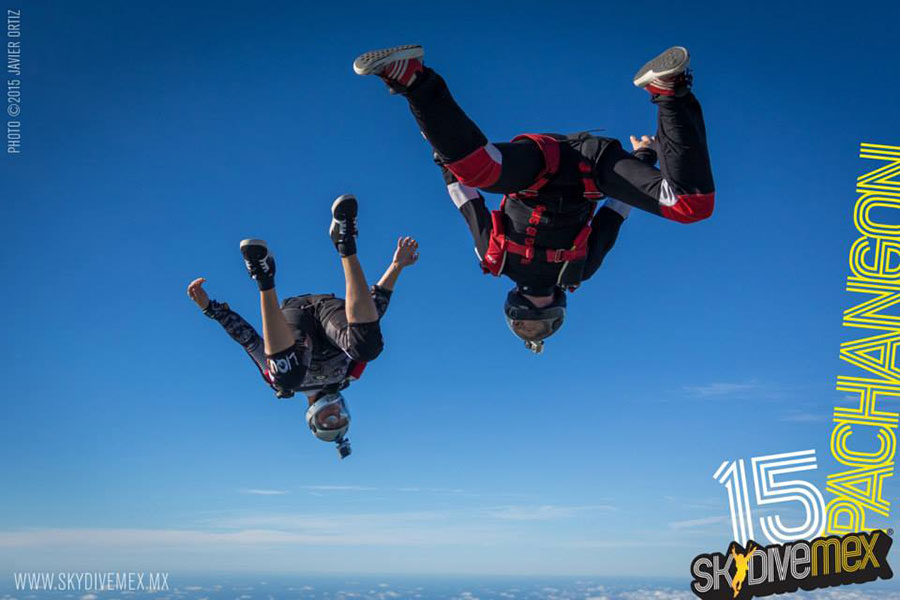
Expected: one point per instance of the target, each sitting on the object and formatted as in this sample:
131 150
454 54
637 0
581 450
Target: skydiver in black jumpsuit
547 236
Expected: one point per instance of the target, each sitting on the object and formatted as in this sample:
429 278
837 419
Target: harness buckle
556 256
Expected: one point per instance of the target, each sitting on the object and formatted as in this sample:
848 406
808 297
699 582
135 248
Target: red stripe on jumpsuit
686 208
480 168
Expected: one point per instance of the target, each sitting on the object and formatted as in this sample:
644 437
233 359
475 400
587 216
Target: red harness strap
587 180
549 147
356 370
527 250
499 244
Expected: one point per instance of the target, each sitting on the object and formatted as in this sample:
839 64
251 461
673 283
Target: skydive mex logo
823 562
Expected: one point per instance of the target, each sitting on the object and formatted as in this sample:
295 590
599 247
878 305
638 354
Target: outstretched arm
471 205
406 254
357 331
234 324
604 232
609 218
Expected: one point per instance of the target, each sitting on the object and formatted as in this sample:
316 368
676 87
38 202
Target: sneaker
343 229
260 264
397 67
667 74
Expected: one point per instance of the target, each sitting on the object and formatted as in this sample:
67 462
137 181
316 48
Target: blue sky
159 134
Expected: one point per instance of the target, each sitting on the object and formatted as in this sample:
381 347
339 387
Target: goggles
531 323
328 418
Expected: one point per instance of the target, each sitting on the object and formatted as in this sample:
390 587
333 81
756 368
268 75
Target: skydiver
546 236
315 344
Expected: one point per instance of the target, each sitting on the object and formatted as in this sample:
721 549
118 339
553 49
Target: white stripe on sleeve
461 194
620 207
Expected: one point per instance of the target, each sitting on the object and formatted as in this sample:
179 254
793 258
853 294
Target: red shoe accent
401 72
660 91
690 208
479 169
666 86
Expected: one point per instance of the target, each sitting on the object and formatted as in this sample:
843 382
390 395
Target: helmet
530 323
329 419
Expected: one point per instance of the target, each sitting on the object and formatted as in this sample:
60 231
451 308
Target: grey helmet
329 419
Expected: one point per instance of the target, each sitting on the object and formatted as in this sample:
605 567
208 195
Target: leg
627 178
683 153
457 141
682 190
360 341
277 334
359 306
286 358
459 144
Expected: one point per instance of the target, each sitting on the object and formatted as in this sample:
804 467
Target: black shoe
343 224
260 264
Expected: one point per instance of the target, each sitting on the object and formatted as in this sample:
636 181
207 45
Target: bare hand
407 252
197 293
646 141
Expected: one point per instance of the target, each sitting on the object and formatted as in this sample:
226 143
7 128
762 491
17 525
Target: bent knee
366 342
689 208
480 168
287 368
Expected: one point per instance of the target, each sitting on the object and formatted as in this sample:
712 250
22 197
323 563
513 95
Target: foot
343 229
667 74
260 264
398 67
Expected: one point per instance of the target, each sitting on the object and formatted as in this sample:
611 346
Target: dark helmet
530 323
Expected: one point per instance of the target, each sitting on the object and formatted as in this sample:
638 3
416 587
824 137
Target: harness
499 245
331 375
328 371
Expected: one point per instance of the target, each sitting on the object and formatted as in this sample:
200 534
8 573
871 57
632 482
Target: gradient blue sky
135 434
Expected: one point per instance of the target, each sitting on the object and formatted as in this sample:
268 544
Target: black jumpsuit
681 190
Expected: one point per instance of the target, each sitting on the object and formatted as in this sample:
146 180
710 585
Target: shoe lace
346 227
257 266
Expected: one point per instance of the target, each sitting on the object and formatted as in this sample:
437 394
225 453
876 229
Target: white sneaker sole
340 199
671 62
372 62
254 242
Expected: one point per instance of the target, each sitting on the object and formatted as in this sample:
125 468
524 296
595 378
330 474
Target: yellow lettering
847 553
868 548
845 516
875 354
825 544
840 437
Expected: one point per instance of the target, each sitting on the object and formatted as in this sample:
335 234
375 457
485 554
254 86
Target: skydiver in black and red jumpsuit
548 235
